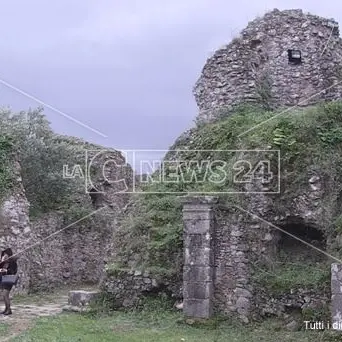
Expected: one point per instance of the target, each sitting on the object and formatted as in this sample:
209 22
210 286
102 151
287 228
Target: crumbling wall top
259 58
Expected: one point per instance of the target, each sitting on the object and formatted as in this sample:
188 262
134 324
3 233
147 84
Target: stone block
198 227
198 308
192 290
336 312
336 278
198 214
82 298
70 308
243 306
199 256
197 273
194 240
241 292
199 200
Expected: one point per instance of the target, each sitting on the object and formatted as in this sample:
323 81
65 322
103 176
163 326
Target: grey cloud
130 78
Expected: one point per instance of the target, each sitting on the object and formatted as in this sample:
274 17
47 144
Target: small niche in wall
255 43
96 198
293 249
294 56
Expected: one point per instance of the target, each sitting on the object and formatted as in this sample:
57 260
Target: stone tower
285 58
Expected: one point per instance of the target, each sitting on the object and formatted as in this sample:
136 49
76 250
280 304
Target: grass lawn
156 327
3 329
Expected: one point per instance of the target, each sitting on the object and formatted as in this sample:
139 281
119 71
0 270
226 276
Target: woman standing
8 268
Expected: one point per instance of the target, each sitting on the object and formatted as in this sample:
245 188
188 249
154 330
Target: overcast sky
124 68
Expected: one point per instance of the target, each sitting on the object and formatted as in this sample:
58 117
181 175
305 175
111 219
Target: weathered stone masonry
255 67
222 246
336 296
198 281
216 268
64 256
78 254
15 230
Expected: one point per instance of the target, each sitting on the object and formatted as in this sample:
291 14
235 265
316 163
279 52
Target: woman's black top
12 267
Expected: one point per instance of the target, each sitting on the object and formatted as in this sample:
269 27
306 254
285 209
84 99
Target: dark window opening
297 264
335 31
295 56
96 198
255 43
294 249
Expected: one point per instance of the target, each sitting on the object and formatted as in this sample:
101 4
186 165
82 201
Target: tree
42 157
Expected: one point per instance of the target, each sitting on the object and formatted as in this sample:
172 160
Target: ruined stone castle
285 58
55 250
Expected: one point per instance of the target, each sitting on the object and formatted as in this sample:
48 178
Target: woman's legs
7 302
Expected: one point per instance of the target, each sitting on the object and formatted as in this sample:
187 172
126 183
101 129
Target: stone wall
66 247
47 257
254 67
76 255
220 246
241 246
78 249
107 178
15 230
224 249
127 287
227 247
233 290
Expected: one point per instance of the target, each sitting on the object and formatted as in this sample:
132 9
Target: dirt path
27 309
24 314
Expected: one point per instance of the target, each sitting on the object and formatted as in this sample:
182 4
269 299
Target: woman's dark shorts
6 287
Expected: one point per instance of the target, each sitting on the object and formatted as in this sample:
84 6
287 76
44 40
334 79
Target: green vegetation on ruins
310 142
42 154
289 276
6 160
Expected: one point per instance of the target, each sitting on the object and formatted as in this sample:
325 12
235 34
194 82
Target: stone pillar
336 296
198 272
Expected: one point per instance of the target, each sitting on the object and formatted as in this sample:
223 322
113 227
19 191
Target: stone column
336 296
198 281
